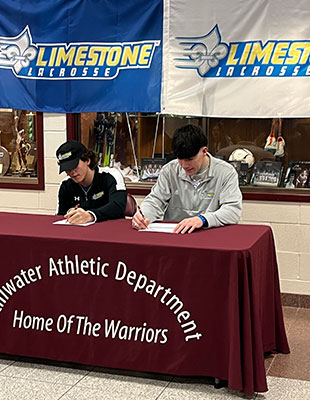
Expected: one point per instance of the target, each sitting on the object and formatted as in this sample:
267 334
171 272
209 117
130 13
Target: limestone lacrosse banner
199 57
81 55
236 58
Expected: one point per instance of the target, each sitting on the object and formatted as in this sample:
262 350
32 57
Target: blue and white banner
237 58
200 57
81 55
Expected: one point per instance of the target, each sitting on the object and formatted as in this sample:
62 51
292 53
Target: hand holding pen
139 221
70 212
78 215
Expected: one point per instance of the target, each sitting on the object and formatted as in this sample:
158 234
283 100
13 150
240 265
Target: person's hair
187 141
90 155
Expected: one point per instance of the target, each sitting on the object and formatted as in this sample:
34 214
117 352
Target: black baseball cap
68 155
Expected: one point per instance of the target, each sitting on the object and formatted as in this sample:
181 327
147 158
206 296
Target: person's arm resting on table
79 216
229 211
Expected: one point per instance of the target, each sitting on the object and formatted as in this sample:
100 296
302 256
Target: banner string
132 144
155 137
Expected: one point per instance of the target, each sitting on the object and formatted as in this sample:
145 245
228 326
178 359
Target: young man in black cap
196 190
89 193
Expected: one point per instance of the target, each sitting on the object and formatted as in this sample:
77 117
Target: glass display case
274 153
21 149
270 155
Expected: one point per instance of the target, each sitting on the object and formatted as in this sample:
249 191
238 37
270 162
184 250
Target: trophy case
269 154
130 142
133 137
21 149
272 150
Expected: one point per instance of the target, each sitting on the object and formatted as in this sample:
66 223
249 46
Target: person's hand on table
139 221
188 225
79 216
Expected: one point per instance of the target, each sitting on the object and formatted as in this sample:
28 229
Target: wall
290 222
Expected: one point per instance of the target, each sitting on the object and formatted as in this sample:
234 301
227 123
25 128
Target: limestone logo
74 60
212 58
202 53
17 52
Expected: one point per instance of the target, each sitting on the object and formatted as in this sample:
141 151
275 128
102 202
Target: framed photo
267 173
242 170
297 175
150 168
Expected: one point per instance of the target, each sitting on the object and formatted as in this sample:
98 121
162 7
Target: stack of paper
160 227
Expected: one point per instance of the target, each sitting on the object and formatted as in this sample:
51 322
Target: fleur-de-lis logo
202 53
17 52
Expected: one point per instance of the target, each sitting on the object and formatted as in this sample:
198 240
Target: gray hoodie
174 197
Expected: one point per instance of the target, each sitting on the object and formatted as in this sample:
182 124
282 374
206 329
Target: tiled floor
288 376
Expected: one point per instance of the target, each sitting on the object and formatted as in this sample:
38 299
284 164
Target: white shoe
280 147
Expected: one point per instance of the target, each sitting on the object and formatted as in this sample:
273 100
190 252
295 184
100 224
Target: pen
140 211
74 208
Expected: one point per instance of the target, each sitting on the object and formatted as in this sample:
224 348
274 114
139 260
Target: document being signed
160 227
66 222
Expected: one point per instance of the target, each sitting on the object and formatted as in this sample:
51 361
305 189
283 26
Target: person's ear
205 150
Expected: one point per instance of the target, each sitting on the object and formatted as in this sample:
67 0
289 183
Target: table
200 304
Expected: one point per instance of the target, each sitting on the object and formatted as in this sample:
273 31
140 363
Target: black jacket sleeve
115 208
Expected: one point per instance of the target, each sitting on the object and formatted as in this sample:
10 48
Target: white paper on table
160 227
65 222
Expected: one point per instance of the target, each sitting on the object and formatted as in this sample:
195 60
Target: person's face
194 164
216 131
80 173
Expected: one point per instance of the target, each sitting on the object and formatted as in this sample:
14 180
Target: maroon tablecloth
204 304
